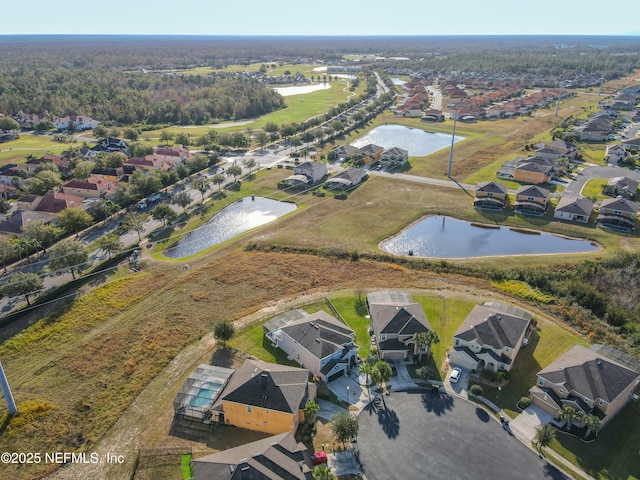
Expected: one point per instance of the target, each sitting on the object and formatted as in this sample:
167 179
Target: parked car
319 458
455 375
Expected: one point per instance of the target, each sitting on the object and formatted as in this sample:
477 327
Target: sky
321 17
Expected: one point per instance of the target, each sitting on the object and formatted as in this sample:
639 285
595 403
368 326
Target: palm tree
593 423
323 472
569 414
425 339
545 433
310 410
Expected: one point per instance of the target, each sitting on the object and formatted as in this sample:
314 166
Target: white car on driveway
455 375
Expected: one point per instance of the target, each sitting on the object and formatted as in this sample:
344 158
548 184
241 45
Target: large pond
299 90
235 219
446 237
417 141
397 81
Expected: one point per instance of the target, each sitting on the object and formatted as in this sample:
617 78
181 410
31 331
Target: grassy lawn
545 345
613 454
345 303
593 188
15 151
593 152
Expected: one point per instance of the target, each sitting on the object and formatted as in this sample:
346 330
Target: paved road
436 97
435 435
575 186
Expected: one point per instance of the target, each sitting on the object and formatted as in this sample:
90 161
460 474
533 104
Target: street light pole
348 394
453 139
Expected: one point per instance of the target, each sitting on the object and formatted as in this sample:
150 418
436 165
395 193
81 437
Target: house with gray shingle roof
531 200
346 179
266 397
395 319
371 152
586 380
307 174
318 342
489 339
618 213
394 157
490 195
623 186
342 152
574 209
276 457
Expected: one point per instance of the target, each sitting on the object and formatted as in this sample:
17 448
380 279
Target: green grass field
345 303
613 455
15 151
593 188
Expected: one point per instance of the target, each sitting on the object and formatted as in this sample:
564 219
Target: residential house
534 170
490 338
7 136
490 195
275 457
342 152
394 157
596 129
8 191
561 148
55 202
80 123
621 186
618 213
174 155
346 179
395 319
265 397
307 174
616 154
29 202
531 200
112 174
632 145
11 170
110 145
573 209
92 187
588 381
371 153
15 223
320 343
148 163
433 115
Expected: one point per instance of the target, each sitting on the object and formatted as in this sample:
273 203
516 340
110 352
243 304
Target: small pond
301 89
417 141
446 237
237 218
397 81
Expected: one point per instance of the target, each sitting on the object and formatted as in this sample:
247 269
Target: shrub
476 390
525 402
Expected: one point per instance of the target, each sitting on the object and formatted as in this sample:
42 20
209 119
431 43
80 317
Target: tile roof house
531 200
55 202
394 157
618 213
266 397
490 195
318 342
396 318
575 209
489 338
277 457
346 179
92 187
623 186
586 380
15 223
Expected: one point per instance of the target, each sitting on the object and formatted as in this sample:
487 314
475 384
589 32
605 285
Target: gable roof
319 333
20 218
624 183
575 205
493 328
55 202
589 374
395 151
533 191
267 385
276 457
371 149
396 317
492 187
621 204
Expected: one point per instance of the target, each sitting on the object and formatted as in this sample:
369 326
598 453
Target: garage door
393 355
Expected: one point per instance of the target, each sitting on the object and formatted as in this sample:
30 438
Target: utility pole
559 96
6 391
453 140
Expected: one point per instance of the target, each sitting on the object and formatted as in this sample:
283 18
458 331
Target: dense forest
101 76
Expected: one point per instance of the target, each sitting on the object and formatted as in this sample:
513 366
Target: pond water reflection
237 218
446 237
417 141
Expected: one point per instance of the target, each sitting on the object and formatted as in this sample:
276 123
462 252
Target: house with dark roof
371 152
266 397
531 200
573 209
489 339
395 319
632 145
55 202
556 149
346 179
618 213
615 154
394 157
278 457
110 145
490 196
15 223
320 343
621 186
588 381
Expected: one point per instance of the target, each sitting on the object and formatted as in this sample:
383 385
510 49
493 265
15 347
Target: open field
15 151
613 454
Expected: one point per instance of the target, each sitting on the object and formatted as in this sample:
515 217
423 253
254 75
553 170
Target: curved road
575 186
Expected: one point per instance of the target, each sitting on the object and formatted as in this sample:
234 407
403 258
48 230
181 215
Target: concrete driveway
524 425
422 434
